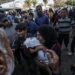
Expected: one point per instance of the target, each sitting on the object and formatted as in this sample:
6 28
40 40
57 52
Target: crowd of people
31 42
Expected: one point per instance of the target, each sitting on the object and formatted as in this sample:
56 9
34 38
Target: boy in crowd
18 43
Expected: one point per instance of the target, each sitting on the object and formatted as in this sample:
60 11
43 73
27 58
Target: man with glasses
31 26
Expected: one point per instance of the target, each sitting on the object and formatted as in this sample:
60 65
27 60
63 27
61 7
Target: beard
40 14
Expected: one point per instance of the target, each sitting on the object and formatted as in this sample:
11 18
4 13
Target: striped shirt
64 24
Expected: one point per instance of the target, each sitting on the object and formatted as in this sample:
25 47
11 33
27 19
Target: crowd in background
33 40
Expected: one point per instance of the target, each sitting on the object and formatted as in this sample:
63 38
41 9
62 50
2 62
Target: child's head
32 42
6 23
3 65
21 30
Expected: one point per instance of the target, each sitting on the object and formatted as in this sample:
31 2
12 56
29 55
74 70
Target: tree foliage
34 2
27 3
45 1
59 3
70 2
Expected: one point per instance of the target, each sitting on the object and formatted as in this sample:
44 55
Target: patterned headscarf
4 46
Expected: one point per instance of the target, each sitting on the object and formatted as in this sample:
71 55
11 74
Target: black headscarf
49 35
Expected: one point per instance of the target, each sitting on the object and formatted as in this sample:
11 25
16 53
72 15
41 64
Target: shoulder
36 18
2 32
9 16
32 23
44 16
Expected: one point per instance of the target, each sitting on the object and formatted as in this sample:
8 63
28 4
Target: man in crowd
41 19
31 26
64 27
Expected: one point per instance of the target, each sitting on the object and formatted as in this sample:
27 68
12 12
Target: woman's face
40 38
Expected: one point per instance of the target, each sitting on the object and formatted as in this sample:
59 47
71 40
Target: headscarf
4 46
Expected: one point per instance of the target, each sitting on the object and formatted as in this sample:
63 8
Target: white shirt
42 56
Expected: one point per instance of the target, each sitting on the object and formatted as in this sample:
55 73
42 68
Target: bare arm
37 49
33 50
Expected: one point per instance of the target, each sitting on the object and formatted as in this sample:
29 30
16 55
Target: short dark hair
23 12
1 11
38 6
4 20
65 9
20 26
1 24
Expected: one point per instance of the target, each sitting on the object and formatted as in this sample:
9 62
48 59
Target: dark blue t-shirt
2 16
32 28
42 20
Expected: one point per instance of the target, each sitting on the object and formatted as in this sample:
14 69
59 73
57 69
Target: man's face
63 13
24 14
25 19
39 10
